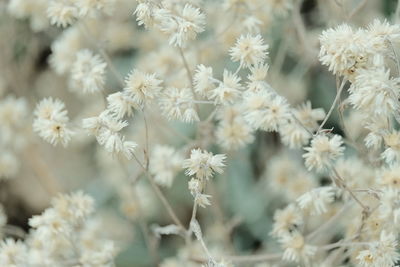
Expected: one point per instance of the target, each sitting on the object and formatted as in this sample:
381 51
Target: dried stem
339 92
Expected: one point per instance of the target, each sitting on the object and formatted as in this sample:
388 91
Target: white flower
308 116
144 14
203 81
62 12
106 128
184 26
258 73
294 135
382 253
234 134
249 50
165 162
266 111
344 50
64 50
142 87
296 248
52 221
375 92
51 122
74 207
286 220
13 253
228 91
392 151
322 151
382 33
203 164
178 104
121 105
316 200
202 200
88 72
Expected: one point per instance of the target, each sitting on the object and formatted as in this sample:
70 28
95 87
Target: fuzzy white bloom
249 50
202 200
62 12
203 81
144 14
322 151
51 121
229 90
51 221
287 177
165 162
286 220
316 200
377 125
102 256
296 248
121 105
390 176
382 253
389 209
234 134
392 151
106 128
178 104
64 50
382 34
88 72
142 87
308 116
204 164
13 253
375 92
257 76
343 50
266 111
294 135
74 208
182 27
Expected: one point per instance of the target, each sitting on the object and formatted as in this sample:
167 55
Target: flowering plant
199 133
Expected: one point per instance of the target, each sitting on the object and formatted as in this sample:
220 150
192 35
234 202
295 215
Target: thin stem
161 196
301 124
146 151
165 202
341 182
339 92
396 58
190 77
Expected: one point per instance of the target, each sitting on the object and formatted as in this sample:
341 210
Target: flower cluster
298 102
61 235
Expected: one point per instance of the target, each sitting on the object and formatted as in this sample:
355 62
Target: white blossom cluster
279 118
63 235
